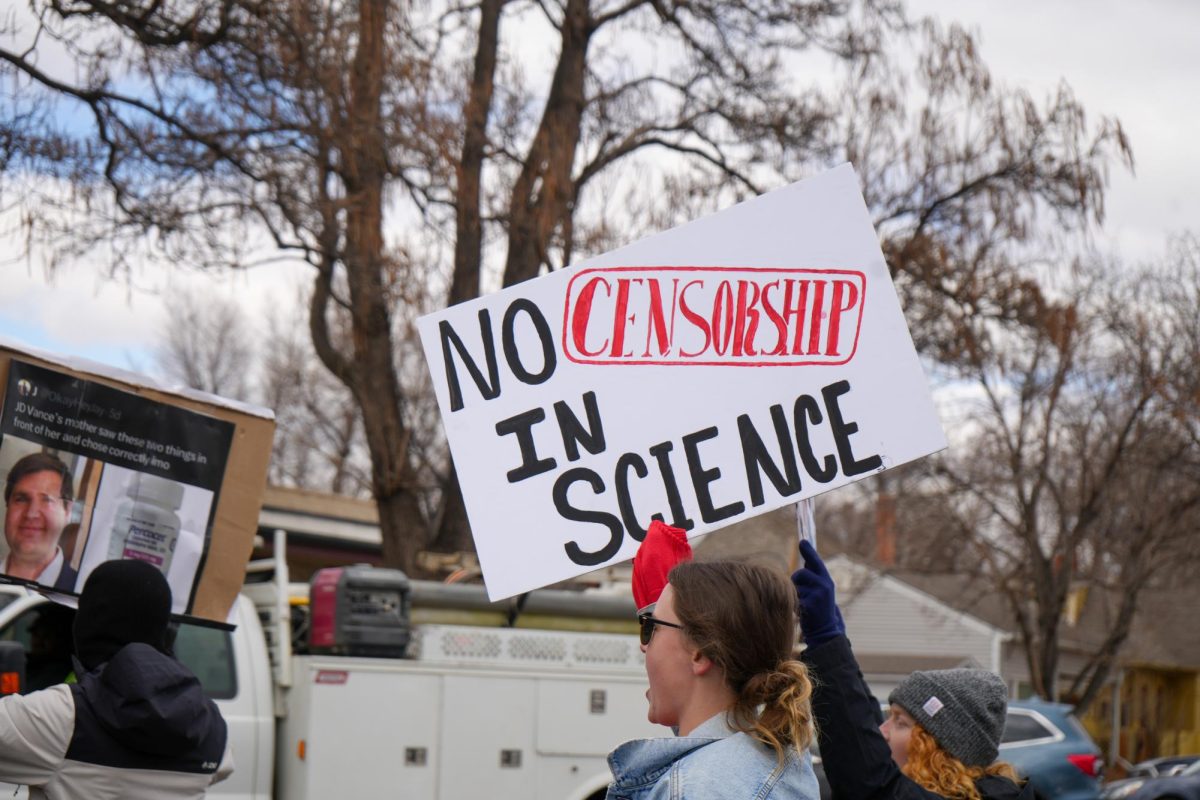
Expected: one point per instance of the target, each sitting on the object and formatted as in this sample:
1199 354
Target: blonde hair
785 719
743 617
935 770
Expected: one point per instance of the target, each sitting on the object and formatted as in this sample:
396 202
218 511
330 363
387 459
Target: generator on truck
365 684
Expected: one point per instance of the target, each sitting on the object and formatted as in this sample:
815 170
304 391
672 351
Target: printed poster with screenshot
94 473
701 376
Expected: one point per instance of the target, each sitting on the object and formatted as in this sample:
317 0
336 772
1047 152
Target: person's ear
701 664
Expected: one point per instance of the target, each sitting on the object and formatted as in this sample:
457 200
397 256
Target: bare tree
971 185
203 128
318 428
1075 465
207 346
1145 536
211 346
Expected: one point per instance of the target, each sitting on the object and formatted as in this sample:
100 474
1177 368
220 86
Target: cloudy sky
1136 61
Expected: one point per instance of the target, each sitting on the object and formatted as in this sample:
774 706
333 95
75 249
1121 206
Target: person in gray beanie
962 709
941 735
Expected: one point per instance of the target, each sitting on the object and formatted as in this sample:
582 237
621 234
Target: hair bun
767 685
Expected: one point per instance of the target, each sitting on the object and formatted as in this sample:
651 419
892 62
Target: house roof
319 515
893 664
771 539
1164 633
977 597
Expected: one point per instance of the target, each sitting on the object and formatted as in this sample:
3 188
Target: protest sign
706 374
101 465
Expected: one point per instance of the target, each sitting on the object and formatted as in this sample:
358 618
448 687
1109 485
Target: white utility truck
488 700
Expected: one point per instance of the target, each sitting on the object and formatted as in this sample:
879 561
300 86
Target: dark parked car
1161 767
1184 785
1046 743
1048 746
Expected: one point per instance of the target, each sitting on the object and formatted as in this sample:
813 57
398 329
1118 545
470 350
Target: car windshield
1193 769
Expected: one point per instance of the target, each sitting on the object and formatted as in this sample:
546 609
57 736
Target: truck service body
472 710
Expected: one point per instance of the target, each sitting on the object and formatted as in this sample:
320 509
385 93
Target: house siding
1015 668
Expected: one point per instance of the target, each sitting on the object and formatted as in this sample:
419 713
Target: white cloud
77 310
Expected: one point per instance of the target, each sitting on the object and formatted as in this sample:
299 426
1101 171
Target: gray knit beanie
963 709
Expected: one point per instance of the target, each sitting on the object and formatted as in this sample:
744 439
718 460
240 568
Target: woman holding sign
718 646
941 736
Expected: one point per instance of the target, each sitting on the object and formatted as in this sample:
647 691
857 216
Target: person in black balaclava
122 603
137 724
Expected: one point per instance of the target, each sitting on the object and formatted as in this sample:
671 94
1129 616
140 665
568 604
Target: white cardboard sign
706 374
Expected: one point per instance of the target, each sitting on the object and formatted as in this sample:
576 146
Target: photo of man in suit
37 496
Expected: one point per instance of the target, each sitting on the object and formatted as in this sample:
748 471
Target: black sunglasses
646 624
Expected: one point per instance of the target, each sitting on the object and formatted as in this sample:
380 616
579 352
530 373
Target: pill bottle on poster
146 525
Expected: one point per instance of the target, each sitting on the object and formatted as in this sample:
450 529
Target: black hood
150 703
122 602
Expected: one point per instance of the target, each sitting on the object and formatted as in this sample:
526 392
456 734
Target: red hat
662 549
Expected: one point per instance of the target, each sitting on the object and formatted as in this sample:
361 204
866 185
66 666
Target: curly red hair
937 771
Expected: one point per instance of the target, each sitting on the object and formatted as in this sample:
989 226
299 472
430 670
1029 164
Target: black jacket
857 760
137 728
145 710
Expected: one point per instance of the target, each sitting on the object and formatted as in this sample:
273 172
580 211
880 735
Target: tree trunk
1103 660
404 531
454 531
542 194
343 429
1051 598
374 382
468 242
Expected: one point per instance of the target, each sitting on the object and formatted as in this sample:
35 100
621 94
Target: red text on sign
713 316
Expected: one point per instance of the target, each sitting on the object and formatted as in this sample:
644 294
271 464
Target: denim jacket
714 762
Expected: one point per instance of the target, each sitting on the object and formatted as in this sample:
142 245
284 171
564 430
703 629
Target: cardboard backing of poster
99 464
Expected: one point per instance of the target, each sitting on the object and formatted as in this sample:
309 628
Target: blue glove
820 619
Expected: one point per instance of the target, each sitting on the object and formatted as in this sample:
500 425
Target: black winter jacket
137 728
857 760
